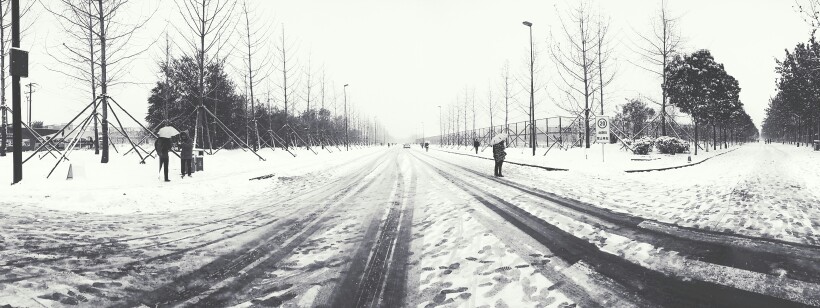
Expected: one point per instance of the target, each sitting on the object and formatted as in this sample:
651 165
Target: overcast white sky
404 58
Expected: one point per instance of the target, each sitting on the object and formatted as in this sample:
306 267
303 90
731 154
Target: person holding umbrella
163 146
498 152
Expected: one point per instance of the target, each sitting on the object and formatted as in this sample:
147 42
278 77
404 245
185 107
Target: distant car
406 146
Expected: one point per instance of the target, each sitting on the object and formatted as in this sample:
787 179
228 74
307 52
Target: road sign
602 129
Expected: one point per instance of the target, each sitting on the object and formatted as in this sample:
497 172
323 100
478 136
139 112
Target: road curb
507 161
680 166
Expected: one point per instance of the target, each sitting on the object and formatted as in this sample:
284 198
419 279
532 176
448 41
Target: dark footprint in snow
277 288
275 301
471 258
503 269
88 289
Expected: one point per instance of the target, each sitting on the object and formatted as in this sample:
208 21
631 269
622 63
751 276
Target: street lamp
347 148
440 128
532 91
30 86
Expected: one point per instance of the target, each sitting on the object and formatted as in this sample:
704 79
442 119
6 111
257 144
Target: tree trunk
696 137
93 84
103 87
714 136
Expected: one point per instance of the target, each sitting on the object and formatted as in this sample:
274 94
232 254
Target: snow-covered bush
627 141
671 145
642 146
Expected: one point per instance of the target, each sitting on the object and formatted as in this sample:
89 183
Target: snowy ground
598 158
757 190
124 186
391 226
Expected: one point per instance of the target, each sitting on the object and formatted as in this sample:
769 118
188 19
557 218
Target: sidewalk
610 158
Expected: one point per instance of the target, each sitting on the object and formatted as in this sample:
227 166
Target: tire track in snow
653 285
377 276
760 255
108 248
67 248
213 283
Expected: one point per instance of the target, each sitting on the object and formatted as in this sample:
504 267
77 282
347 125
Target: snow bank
125 186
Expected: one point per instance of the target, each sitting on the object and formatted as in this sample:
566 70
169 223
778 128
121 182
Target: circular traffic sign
602 123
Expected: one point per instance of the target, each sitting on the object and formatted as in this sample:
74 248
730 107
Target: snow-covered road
402 227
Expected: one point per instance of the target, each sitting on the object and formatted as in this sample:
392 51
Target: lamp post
532 91
422 134
30 86
347 148
440 128
16 119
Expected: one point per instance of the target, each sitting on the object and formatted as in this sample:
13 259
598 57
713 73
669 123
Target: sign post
602 133
17 68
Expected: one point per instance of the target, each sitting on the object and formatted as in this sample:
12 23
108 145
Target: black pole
532 91
347 148
16 126
440 129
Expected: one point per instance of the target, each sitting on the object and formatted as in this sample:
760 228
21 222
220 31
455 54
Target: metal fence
561 131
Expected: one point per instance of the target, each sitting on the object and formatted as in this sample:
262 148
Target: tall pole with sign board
18 68
602 133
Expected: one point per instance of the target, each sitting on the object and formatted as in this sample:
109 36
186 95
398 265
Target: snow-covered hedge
642 146
671 145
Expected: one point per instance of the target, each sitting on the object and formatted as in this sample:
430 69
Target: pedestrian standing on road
186 148
476 144
498 152
163 146
427 147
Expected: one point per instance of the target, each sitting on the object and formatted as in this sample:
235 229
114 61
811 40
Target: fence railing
567 132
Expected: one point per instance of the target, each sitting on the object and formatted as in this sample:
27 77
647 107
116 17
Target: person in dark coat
476 144
163 146
186 155
499 154
427 147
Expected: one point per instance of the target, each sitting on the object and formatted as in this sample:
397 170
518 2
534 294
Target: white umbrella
167 132
498 138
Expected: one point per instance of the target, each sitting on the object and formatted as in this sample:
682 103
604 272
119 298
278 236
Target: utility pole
532 91
16 126
30 90
347 147
440 131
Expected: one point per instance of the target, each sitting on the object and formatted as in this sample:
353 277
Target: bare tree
491 104
810 11
530 75
78 52
507 90
212 23
472 100
658 49
576 62
310 83
99 22
255 32
603 54
287 67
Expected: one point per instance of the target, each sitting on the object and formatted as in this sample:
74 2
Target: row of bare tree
583 65
98 51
